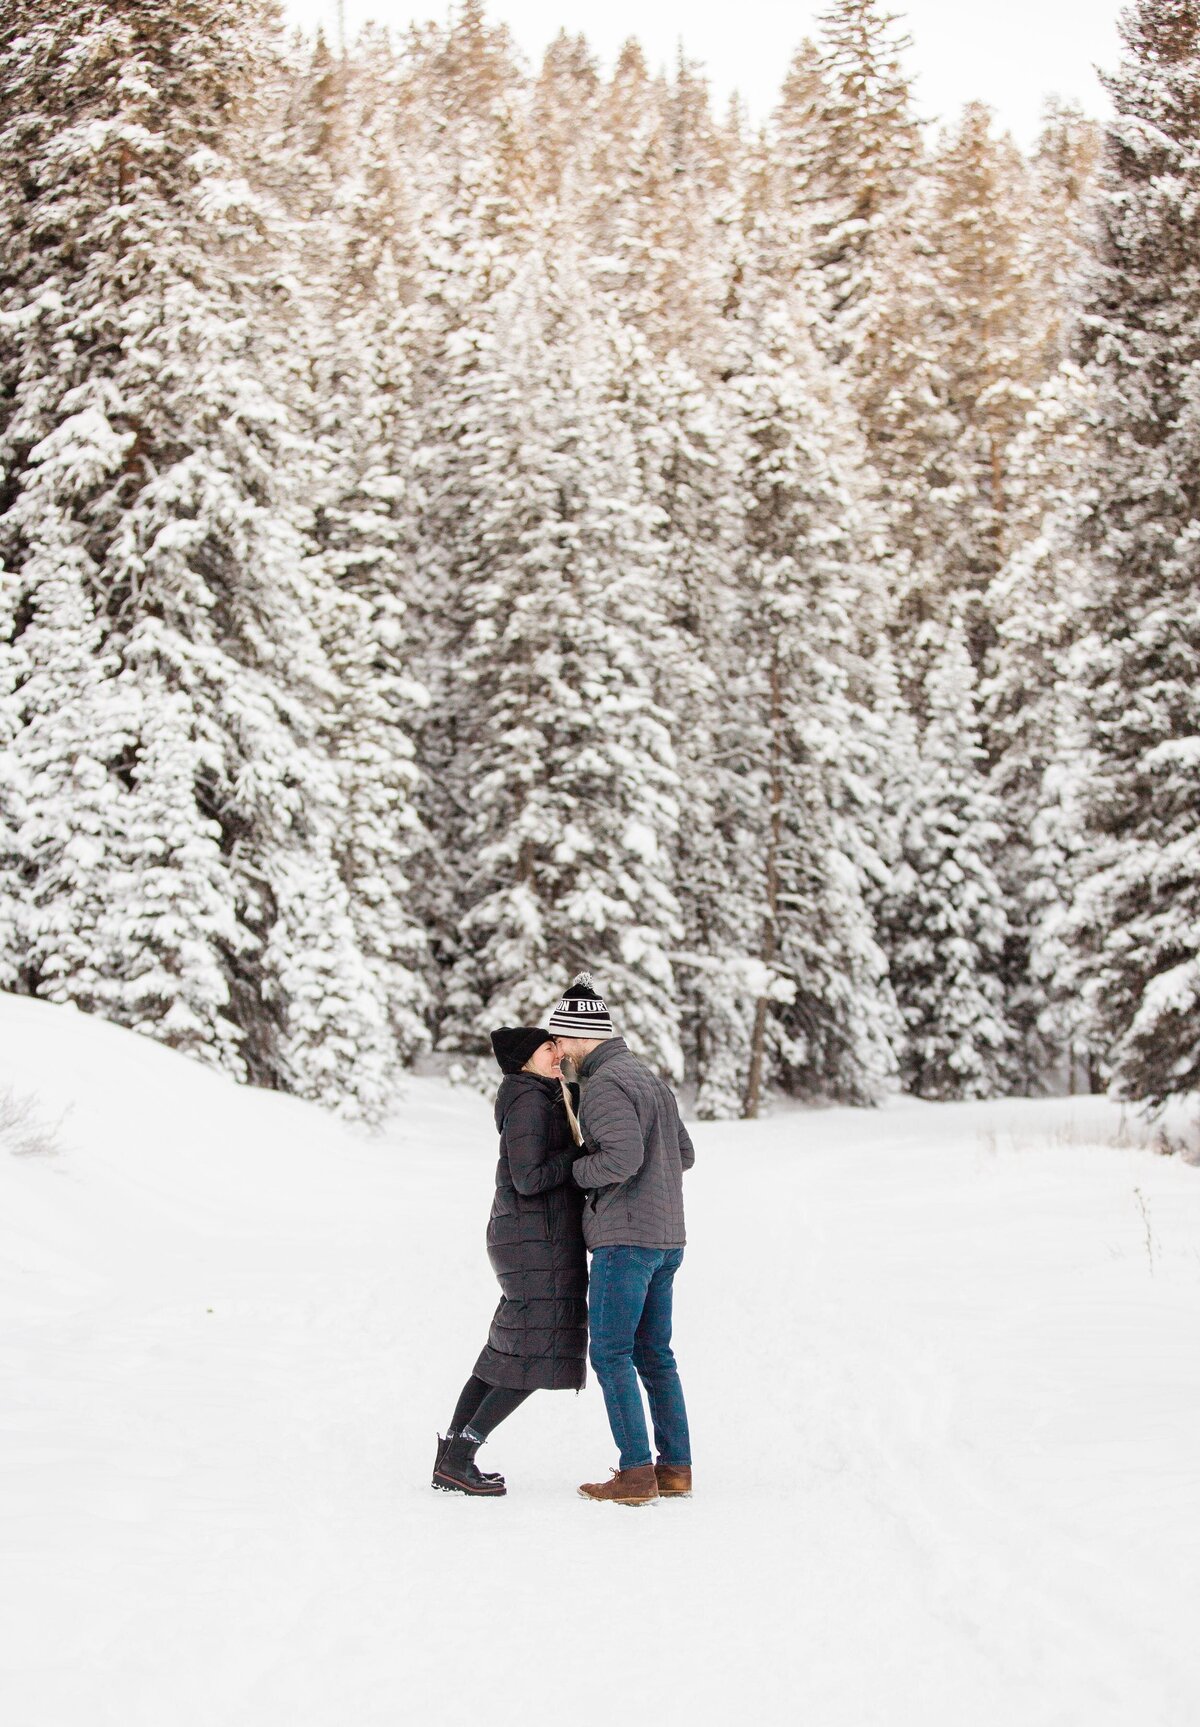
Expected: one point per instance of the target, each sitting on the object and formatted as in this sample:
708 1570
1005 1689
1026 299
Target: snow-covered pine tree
170 915
73 741
155 474
624 185
690 474
1062 172
944 919
366 508
365 528
691 224
1030 719
791 182
12 812
824 1017
852 200
470 191
895 777
987 345
852 156
1032 725
656 206
1138 912
565 100
468 153
566 848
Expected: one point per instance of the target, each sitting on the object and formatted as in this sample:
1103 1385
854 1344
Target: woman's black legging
482 1407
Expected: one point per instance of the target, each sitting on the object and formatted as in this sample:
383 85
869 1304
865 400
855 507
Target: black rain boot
493 1475
456 1471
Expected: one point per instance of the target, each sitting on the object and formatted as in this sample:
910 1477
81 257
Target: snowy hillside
941 1363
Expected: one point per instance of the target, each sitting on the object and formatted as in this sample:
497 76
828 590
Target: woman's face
544 1061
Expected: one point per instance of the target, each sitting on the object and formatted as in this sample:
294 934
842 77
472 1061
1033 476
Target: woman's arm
528 1134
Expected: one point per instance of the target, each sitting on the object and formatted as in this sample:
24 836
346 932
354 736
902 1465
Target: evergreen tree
472 227
70 753
1030 716
333 1043
1138 911
366 509
1063 170
824 1016
854 202
13 800
155 472
690 471
1032 724
624 185
467 138
945 915
794 190
895 779
568 842
987 347
854 153
169 922
563 117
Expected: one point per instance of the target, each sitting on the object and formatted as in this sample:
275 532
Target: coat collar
610 1047
525 1081
515 1085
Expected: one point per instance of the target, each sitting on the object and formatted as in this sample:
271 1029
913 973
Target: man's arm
687 1151
614 1130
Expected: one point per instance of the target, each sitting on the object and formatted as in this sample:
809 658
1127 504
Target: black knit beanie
513 1045
581 1012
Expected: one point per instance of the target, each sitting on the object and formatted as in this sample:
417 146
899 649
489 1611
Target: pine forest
464 521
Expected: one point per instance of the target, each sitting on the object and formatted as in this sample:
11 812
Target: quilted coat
538 1338
637 1151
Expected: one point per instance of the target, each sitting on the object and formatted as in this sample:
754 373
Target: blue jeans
629 1314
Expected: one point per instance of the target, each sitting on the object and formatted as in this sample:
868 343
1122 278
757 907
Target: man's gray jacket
637 1152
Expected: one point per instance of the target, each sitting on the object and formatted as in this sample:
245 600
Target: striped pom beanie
581 1012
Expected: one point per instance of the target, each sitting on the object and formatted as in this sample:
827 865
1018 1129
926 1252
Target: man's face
573 1049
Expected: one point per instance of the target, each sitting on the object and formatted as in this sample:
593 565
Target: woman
538 1339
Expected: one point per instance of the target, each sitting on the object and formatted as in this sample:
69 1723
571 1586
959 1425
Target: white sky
1009 53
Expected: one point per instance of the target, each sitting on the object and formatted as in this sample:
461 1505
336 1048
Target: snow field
944 1394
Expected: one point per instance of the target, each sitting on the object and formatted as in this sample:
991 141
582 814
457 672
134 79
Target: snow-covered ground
943 1373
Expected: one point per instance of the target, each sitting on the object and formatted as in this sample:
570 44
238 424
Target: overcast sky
1009 53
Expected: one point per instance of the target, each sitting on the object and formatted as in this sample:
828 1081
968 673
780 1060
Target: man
635 1152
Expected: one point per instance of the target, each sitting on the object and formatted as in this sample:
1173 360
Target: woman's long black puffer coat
538 1339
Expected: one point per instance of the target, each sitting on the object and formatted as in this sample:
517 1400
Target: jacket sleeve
528 1130
615 1132
687 1151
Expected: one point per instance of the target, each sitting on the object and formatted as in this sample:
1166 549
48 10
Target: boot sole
445 1484
594 1499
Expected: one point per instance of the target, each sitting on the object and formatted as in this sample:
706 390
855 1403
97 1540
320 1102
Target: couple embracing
594 1167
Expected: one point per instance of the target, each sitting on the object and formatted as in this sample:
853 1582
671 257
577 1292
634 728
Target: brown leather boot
627 1487
674 1480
